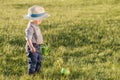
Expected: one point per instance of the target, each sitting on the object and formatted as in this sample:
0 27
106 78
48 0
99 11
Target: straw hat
36 13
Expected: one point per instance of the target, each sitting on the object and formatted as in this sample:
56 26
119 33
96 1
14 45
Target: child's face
37 22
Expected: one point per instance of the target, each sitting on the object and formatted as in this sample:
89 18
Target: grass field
83 35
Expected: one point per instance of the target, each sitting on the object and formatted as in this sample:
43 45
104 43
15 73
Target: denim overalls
34 59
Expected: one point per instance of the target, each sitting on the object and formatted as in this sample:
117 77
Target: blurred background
82 35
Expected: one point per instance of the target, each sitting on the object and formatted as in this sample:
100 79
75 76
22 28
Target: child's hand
33 50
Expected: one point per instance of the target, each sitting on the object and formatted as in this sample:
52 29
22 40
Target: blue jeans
34 59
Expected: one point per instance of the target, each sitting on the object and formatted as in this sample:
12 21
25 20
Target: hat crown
36 13
36 10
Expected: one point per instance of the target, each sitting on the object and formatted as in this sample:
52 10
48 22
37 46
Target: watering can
45 49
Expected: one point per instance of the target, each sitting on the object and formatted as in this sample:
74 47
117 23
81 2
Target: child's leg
39 60
32 63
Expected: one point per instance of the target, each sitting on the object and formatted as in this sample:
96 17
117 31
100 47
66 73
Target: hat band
37 15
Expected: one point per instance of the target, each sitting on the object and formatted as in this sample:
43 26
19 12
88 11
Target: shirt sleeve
29 33
41 37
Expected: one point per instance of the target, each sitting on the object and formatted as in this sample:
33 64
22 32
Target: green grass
82 34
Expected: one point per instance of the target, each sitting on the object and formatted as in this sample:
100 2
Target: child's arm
33 50
29 33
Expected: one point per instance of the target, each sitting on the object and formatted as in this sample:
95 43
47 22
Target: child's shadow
17 41
13 66
13 62
2 39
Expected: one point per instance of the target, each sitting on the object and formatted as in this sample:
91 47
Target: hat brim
28 17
